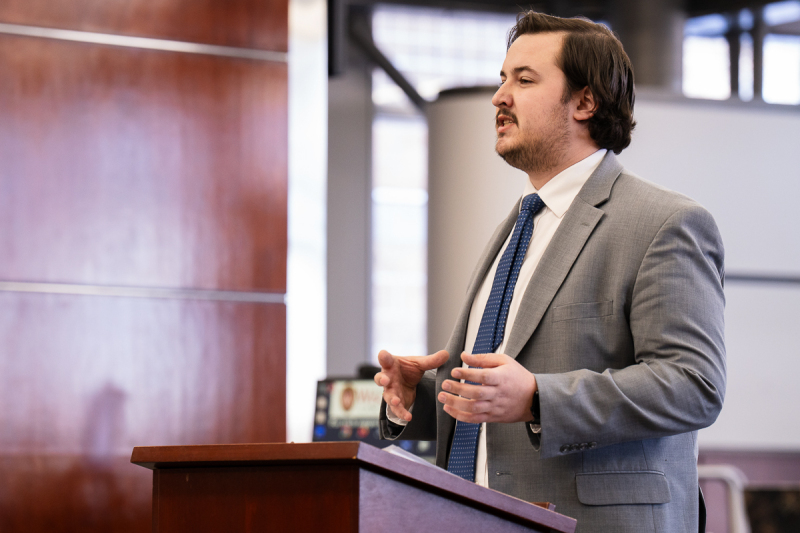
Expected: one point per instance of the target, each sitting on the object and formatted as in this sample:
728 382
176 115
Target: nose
501 97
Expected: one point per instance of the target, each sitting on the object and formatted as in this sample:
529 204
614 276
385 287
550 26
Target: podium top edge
154 457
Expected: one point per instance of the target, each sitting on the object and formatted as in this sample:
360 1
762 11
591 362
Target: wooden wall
142 250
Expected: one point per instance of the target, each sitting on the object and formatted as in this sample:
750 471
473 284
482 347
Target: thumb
429 362
385 359
484 360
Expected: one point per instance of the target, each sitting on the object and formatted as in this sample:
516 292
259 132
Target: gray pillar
652 34
349 215
470 191
759 32
734 37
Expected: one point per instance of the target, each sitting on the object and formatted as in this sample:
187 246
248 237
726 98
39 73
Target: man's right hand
399 377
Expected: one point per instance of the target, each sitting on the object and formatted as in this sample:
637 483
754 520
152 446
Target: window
782 53
707 54
706 67
399 234
782 69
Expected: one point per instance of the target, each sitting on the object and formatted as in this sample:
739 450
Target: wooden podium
327 487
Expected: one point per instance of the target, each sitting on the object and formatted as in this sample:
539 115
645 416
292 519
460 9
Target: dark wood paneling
66 494
246 23
96 376
143 168
84 379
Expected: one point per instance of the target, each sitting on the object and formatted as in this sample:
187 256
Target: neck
540 179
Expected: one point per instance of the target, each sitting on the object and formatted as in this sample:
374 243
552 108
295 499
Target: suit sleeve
676 322
423 420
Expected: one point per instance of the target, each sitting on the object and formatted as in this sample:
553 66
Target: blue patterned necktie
464 449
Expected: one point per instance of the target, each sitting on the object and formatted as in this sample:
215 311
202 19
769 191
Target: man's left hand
505 392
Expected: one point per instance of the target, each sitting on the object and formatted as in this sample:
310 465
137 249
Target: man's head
591 56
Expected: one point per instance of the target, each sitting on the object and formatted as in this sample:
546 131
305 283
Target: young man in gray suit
606 353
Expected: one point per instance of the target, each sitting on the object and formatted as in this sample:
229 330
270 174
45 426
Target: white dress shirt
557 195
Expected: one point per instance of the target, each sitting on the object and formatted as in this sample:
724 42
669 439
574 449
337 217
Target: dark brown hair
591 56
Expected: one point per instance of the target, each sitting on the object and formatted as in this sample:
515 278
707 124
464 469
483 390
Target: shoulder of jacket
651 196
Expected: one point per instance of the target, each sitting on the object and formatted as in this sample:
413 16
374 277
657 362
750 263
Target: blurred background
214 214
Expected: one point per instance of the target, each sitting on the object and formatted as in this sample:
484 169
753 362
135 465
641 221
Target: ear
586 104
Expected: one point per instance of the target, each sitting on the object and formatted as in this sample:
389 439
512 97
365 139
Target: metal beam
361 32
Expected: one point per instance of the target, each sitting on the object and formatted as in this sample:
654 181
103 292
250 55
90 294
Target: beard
538 152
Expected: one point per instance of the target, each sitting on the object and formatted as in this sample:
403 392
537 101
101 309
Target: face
533 121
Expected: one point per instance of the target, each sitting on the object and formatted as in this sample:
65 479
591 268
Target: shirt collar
558 193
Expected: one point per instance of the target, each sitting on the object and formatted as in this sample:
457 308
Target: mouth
504 120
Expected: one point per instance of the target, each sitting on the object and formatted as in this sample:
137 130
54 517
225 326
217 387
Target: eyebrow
524 68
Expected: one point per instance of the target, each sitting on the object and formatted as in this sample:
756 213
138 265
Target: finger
429 362
381 379
385 359
467 390
484 360
397 406
396 411
476 375
464 416
464 404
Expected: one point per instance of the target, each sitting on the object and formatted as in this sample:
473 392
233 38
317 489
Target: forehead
535 50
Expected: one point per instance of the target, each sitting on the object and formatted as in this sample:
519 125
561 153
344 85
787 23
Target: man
612 356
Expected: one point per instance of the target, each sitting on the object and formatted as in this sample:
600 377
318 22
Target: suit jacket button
584 446
564 448
592 445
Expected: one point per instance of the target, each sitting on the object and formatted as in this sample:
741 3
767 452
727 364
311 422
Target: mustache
505 112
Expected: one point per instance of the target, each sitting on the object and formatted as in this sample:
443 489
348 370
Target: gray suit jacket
622 324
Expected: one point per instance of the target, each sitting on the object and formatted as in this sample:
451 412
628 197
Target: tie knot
532 203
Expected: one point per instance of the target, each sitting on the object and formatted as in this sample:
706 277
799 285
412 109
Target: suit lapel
578 224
